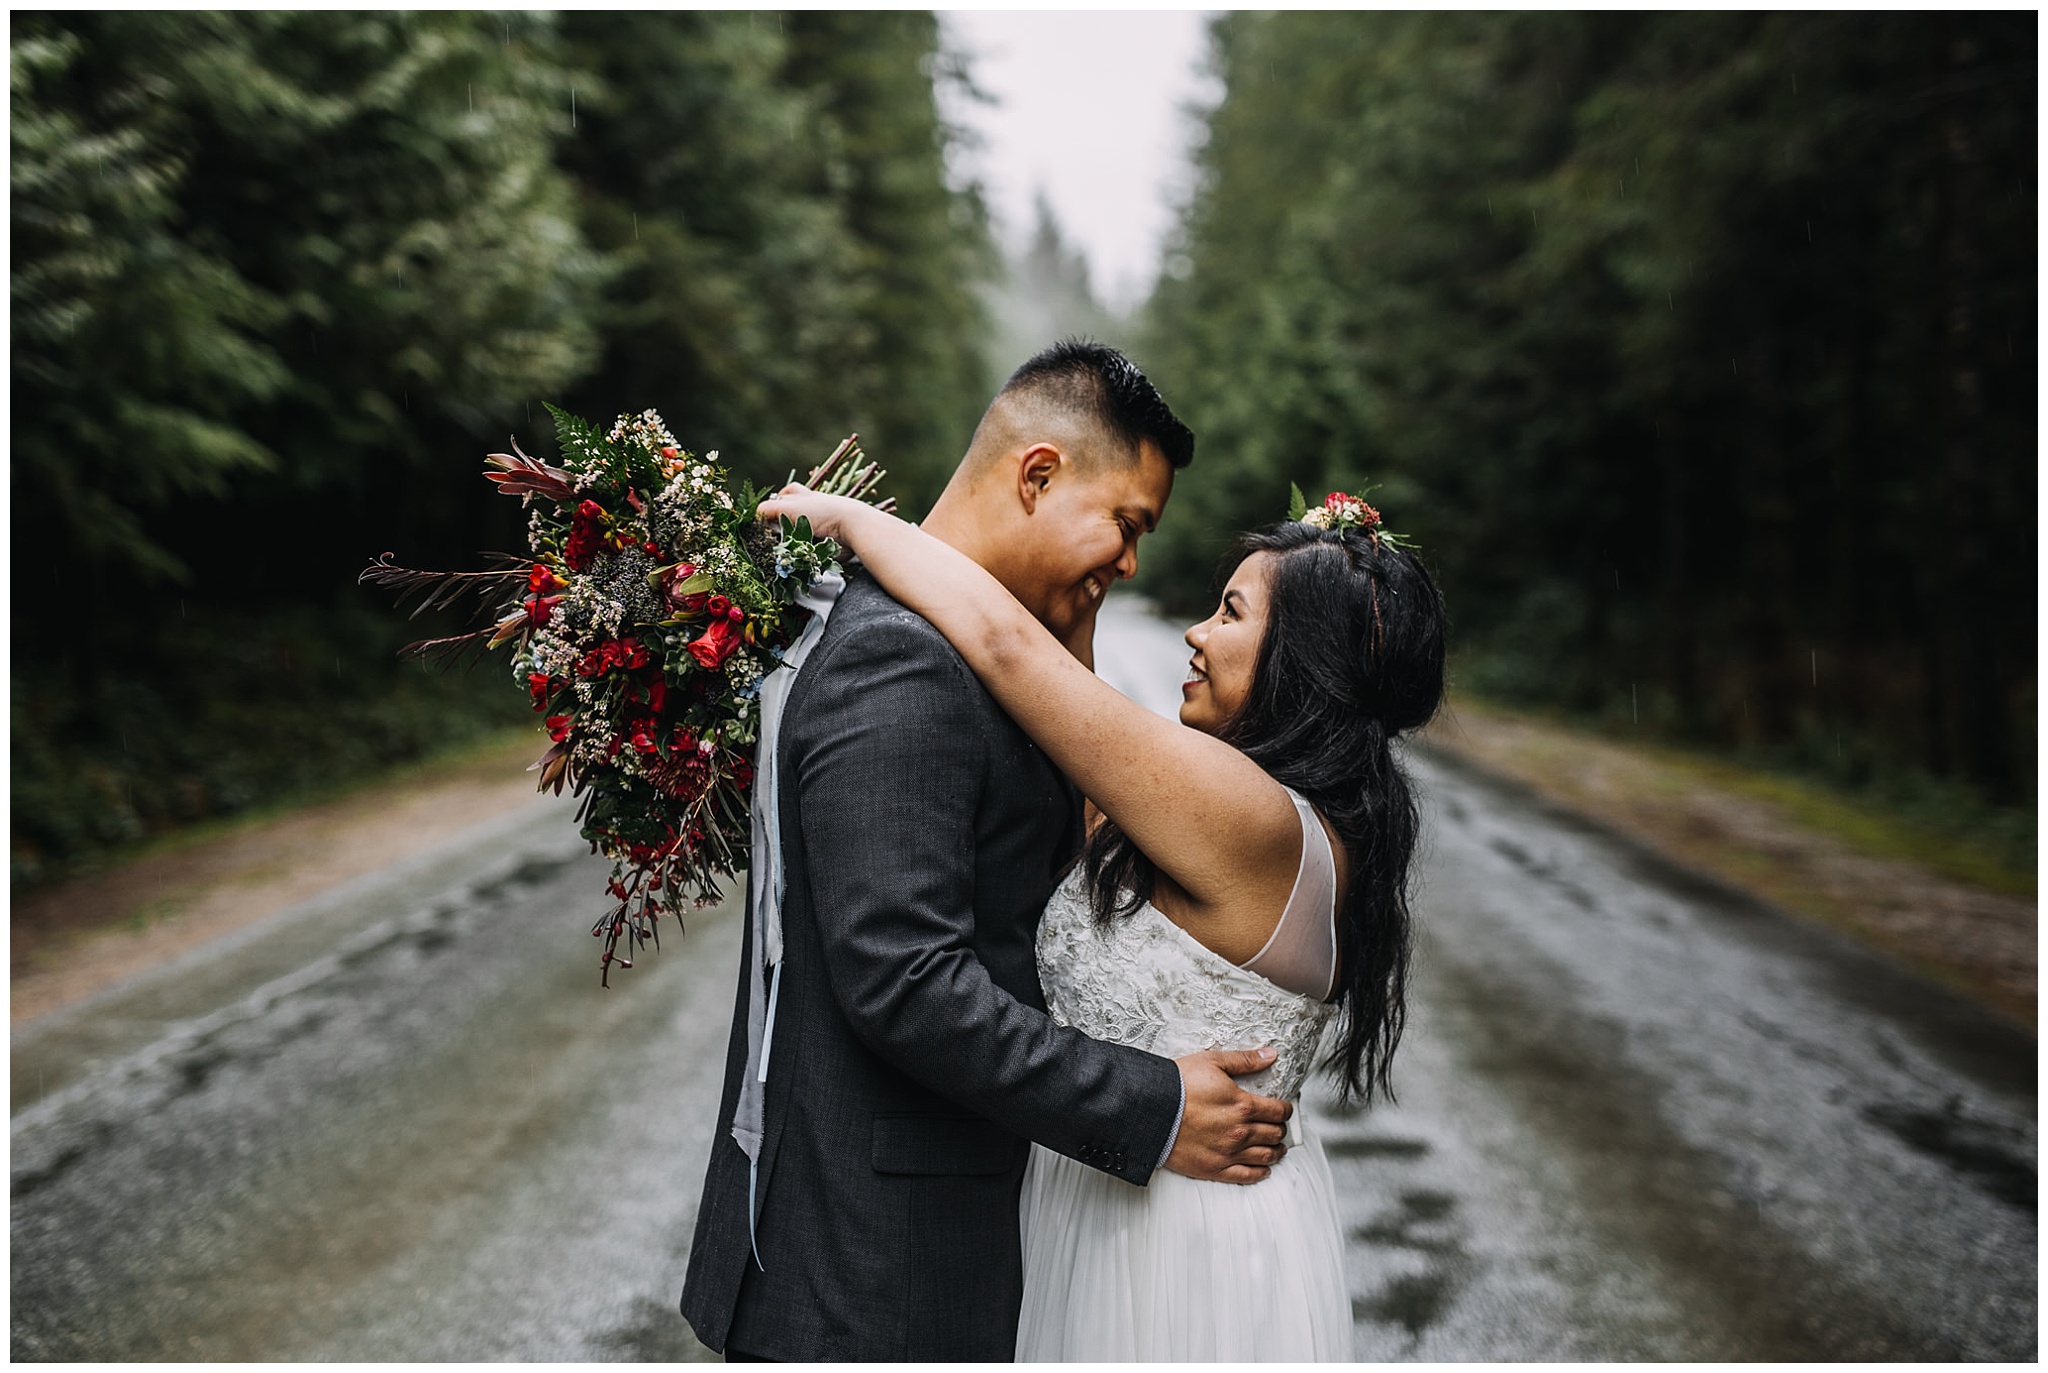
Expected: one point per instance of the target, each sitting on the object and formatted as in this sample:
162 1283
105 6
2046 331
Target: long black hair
1352 656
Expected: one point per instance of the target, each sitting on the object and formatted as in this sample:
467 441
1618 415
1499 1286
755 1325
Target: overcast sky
1091 109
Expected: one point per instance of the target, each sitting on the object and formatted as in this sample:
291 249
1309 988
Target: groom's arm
890 778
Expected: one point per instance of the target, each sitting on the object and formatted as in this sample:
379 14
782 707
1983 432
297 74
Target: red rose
718 605
717 643
586 535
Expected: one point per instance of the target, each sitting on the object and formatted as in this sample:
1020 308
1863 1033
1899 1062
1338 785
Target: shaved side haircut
1088 398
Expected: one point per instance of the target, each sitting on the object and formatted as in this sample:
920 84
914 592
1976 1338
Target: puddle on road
1422 1221
656 1334
1415 1302
1981 1151
1671 1211
1375 1147
533 872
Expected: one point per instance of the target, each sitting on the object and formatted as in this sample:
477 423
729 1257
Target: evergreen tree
1046 295
280 280
793 264
1693 348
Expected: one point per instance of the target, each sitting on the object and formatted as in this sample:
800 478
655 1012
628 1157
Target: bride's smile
1226 649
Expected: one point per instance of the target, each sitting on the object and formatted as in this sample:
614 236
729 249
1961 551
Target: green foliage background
1696 350
280 280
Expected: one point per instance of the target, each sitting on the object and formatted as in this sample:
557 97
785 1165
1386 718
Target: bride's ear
1035 473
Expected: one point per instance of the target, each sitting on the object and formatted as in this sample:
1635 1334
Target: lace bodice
1146 982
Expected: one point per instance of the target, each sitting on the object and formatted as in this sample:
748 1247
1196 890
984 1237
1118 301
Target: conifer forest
1697 351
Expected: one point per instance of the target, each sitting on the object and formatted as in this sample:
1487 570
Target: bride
1246 884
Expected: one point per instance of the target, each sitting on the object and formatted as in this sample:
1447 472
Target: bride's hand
830 516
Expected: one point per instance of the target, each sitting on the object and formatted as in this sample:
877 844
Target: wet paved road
1639 1119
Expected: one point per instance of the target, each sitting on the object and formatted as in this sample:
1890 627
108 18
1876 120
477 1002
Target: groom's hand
1226 1133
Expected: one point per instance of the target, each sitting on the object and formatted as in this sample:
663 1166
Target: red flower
610 654
586 535
1351 508
537 684
717 643
542 579
718 605
541 609
657 695
558 727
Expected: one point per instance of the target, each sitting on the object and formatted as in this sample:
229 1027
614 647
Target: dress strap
1301 953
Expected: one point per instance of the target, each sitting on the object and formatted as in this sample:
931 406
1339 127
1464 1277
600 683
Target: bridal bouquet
649 607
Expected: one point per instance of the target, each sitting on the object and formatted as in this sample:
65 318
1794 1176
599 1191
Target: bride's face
1226 648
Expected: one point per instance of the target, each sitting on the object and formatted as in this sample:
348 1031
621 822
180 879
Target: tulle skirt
1183 1271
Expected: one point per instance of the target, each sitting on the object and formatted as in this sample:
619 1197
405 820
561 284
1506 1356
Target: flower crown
1341 511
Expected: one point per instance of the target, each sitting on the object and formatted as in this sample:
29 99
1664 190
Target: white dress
1181 1270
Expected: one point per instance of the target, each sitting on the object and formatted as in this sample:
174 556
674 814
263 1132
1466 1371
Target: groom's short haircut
1080 383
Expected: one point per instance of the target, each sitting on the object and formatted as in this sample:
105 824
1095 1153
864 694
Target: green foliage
239 708
1693 349
281 278
132 346
792 264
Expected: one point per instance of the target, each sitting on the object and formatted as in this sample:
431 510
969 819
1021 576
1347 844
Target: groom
912 1060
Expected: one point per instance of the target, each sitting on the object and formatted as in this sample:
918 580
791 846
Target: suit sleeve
888 785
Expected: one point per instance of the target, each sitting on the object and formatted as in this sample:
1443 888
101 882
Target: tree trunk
1973 724
1679 656
1768 567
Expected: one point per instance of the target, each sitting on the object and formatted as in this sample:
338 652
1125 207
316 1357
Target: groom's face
1083 535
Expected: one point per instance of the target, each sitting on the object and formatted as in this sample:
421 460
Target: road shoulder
1978 942
76 939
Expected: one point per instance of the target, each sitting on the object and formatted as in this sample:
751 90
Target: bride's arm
1207 816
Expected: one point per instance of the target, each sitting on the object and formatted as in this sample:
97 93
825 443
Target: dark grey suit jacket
912 1058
